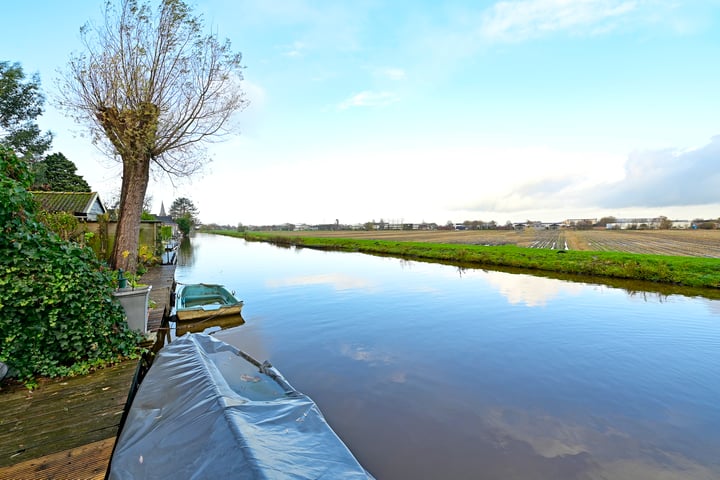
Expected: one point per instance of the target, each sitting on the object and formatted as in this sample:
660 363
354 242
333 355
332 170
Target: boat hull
192 315
197 302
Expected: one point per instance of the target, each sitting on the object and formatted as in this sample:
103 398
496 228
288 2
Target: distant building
645 223
681 224
166 220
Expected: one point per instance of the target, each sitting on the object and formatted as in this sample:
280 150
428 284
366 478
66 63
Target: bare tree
153 90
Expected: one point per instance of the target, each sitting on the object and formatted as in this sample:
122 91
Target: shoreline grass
685 271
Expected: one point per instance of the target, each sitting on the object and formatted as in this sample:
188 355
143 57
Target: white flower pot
135 302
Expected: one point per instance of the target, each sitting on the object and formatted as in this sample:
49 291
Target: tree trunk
136 174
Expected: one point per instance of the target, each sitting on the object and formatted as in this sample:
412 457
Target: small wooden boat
205 409
202 301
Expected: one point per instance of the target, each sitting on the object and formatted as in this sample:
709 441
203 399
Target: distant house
83 205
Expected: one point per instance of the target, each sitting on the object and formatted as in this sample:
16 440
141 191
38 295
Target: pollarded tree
153 89
56 173
21 103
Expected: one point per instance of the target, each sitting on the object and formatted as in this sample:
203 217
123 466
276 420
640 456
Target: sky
425 111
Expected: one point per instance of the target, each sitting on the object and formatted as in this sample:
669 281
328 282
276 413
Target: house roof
77 203
166 219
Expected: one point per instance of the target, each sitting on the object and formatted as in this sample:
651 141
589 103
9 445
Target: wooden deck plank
64 413
87 462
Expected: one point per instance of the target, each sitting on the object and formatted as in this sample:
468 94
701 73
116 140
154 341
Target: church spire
162 209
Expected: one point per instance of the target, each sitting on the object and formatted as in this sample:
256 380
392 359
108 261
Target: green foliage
146 259
166 233
57 313
20 104
56 173
64 224
183 207
184 223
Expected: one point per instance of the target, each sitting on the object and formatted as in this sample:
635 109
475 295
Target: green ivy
57 313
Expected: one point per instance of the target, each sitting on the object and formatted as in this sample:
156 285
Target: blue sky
436 111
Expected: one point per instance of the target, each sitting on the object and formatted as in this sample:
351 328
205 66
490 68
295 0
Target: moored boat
200 301
205 409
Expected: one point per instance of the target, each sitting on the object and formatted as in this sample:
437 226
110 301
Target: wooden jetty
66 428
162 279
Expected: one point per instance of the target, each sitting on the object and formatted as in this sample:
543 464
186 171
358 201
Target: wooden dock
162 279
66 428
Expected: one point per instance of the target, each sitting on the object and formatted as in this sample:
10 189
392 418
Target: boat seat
203 300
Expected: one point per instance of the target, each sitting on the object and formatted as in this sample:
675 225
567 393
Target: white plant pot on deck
135 302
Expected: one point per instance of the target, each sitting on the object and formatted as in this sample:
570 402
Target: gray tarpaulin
207 410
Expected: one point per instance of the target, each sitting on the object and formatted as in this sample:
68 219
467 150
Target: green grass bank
693 272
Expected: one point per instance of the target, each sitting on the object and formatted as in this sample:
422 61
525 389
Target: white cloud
250 119
369 99
392 73
553 180
297 49
523 179
666 178
518 21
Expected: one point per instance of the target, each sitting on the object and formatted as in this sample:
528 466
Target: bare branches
152 88
144 59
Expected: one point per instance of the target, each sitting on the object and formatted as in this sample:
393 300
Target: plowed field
693 243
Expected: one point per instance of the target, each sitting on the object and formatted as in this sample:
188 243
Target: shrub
62 223
57 313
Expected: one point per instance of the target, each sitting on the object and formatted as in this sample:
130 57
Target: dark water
431 372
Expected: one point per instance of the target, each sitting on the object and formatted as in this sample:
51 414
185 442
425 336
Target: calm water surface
427 371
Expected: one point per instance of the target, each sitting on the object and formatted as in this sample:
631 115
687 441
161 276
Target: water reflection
602 452
185 253
630 286
528 290
427 373
364 354
208 325
336 281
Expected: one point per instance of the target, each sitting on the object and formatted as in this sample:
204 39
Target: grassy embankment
666 269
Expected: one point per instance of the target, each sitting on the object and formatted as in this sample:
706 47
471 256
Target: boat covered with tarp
201 301
205 409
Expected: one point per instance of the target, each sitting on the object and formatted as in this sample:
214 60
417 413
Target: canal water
428 371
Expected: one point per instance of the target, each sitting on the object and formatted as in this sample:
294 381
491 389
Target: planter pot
135 303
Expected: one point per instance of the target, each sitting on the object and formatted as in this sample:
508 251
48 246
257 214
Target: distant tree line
661 222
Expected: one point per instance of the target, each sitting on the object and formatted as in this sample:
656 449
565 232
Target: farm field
690 243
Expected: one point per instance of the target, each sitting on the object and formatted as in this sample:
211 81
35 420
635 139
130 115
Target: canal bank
66 427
